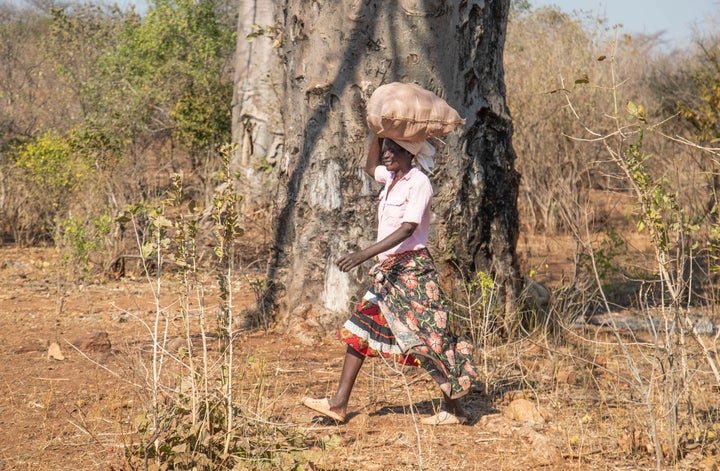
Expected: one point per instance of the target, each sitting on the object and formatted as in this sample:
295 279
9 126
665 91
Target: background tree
173 83
702 111
126 99
256 109
547 48
335 55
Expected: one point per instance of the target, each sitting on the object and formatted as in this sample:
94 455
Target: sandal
322 406
444 418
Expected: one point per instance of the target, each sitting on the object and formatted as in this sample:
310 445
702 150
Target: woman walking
404 313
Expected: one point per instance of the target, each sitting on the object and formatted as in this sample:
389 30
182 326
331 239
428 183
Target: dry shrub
551 55
205 405
544 48
603 93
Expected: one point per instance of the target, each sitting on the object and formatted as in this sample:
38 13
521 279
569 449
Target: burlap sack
408 112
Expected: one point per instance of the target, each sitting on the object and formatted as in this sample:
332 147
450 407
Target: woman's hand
350 261
374 155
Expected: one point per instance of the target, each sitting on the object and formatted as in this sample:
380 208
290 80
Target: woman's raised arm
374 155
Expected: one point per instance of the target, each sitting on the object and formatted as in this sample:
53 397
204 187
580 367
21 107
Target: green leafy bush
55 163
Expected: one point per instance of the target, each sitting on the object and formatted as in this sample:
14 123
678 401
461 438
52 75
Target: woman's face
395 157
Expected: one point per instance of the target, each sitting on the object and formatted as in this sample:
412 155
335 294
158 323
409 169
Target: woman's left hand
350 261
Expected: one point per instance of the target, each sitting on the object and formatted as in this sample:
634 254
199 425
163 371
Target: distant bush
105 105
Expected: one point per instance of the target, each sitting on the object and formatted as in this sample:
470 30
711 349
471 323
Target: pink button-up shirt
409 201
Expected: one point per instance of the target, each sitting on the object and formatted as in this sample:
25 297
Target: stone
709 463
54 352
496 424
541 450
97 342
523 411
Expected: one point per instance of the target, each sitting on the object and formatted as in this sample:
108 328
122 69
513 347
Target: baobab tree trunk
256 119
335 54
478 195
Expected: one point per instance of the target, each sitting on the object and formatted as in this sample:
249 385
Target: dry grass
83 412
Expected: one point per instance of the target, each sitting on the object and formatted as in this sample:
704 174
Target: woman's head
394 156
422 150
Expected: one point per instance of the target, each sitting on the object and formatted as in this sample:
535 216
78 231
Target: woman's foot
451 413
323 406
444 418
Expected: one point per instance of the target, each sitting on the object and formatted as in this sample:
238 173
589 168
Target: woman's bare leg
351 367
453 406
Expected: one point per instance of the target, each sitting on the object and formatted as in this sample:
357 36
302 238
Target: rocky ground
74 369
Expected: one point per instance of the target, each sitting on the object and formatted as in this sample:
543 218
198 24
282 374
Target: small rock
541 449
54 352
704 326
567 376
96 342
523 411
496 424
709 463
307 333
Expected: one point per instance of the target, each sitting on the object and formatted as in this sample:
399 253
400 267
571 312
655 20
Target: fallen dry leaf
54 352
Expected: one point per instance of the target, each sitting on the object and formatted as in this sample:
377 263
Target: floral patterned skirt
406 314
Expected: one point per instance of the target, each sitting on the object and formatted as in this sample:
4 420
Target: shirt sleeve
381 174
419 201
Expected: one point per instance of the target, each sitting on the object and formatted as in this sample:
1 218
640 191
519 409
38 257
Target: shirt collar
409 174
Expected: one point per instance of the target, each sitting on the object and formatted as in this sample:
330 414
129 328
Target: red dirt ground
79 413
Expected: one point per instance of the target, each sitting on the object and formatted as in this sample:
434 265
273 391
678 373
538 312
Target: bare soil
80 412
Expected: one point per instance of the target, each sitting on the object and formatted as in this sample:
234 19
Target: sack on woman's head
408 112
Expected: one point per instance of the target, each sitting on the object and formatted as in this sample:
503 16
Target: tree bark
478 194
335 54
256 119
